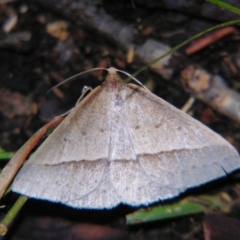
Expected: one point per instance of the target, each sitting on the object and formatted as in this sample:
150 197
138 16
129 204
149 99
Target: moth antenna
75 77
133 78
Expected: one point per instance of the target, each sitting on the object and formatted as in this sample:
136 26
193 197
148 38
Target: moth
123 144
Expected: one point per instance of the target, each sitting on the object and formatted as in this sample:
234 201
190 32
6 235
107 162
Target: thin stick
18 159
12 213
207 40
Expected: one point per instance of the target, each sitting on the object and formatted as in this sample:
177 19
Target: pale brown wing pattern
182 152
124 146
83 135
173 151
61 169
156 126
81 184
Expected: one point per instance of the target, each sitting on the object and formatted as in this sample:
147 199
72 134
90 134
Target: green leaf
5 155
184 207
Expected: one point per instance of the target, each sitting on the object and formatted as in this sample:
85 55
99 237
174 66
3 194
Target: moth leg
84 91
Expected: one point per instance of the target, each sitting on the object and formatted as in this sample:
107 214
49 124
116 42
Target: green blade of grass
189 40
225 6
184 207
12 213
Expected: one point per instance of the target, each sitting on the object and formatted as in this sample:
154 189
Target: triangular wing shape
174 151
71 165
123 144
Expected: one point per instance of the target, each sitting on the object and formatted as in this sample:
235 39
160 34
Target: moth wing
83 135
174 151
71 165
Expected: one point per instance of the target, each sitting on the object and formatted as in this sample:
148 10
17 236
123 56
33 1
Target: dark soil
28 69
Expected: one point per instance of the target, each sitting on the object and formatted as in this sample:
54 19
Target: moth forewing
123 144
